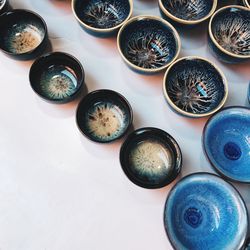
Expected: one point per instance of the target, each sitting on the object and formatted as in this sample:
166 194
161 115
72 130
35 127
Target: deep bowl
148 44
195 87
57 77
226 142
229 34
151 158
205 212
104 116
4 6
23 34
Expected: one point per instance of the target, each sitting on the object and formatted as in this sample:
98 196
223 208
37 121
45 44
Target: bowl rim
99 30
159 19
188 114
214 175
3 4
210 33
184 21
117 94
206 152
247 3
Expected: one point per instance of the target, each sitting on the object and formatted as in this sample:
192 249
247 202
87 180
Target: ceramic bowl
151 158
148 44
187 12
205 212
4 6
23 34
57 77
195 87
104 116
229 34
226 142
102 18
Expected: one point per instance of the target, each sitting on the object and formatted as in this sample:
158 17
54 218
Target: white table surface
58 190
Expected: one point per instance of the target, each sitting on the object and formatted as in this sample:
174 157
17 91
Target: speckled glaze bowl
4 6
229 34
23 34
104 116
57 77
226 142
195 87
205 212
102 17
151 158
148 44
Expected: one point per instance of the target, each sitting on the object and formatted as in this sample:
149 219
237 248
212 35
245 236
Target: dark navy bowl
57 77
226 142
4 6
104 116
23 34
195 87
204 212
151 158
148 44
102 17
229 34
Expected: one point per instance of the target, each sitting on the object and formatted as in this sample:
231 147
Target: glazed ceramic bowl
151 158
57 77
102 18
187 12
23 34
226 142
229 34
148 44
195 87
4 6
205 212
104 116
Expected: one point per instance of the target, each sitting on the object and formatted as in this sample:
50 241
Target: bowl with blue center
151 158
104 116
195 87
102 17
57 77
148 44
205 212
226 142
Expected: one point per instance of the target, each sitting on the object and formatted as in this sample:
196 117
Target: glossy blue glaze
248 94
203 212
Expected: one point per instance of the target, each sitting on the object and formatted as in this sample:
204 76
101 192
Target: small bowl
57 77
226 142
102 18
151 158
104 116
205 212
23 34
148 44
195 87
4 6
187 12
229 34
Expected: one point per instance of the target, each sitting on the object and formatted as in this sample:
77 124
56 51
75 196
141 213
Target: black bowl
104 116
151 158
4 6
57 77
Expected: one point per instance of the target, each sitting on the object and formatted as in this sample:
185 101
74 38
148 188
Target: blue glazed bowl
148 44
195 87
226 142
203 212
151 158
229 34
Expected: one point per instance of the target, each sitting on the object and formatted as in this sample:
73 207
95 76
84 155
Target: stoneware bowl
102 18
104 116
205 212
151 158
185 12
229 34
148 44
226 142
4 6
195 87
23 34
57 77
